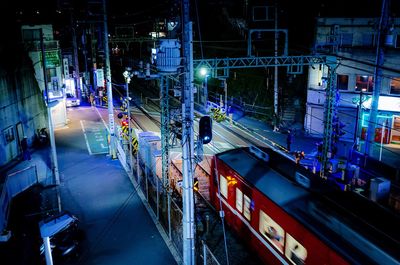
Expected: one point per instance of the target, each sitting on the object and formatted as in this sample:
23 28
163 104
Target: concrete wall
22 109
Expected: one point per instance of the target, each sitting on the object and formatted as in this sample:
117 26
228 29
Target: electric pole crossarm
254 62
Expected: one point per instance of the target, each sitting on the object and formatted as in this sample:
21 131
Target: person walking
91 98
25 150
289 140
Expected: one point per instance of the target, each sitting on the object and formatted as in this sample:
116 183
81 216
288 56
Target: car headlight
78 102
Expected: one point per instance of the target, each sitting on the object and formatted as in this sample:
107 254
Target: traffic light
124 123
205 129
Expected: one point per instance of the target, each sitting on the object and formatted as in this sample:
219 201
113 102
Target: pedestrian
299 155
25 150
289 140
91 98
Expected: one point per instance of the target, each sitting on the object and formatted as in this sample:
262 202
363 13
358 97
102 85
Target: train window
223 185
239 200
294 251
272 231
246 207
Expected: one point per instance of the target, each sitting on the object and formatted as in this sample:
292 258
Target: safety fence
166 203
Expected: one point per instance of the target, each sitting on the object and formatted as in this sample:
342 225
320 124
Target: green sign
52 59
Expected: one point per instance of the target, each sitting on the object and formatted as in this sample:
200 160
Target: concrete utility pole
276 91
379 61
49 116
107 73
76 60
187 141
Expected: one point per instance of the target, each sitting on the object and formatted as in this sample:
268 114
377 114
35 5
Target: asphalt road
97 190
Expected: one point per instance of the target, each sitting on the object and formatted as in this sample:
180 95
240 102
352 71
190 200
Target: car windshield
69 95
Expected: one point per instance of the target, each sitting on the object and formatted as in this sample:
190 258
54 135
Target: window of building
395 85
8 135
246 207
31 34
239 200
342 82
272 231
347 39
50 72
365 82
294 251
368 40
223 185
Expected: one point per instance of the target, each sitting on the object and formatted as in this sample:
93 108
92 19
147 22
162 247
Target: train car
286 223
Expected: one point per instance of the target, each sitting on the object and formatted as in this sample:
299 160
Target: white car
72 101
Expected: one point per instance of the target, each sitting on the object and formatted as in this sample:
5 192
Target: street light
204 73
128 75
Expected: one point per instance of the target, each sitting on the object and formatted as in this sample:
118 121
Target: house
353 41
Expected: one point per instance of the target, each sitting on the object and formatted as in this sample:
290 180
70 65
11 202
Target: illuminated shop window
365 82
246 207
294 251
395 85
342 82
239 200
272 231
223 185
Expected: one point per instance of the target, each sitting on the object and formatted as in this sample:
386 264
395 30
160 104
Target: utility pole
107 73
330 113
76 60
187 141
50 120
276 91
379 61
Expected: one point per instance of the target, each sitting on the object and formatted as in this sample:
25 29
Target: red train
265 201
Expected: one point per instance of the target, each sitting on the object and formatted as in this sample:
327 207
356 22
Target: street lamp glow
203 71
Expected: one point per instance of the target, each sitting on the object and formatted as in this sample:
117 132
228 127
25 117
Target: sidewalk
96 189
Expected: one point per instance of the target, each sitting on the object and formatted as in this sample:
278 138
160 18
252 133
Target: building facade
31 37
353 41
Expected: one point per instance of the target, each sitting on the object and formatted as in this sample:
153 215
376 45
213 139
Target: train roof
367 218
257 173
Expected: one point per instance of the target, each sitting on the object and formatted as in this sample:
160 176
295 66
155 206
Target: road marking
86 139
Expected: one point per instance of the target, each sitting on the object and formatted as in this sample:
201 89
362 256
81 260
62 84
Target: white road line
86 139
105 125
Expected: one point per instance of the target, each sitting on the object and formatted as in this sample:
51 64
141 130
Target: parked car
72 101
65 244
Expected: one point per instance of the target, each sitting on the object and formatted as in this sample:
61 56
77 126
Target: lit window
272 231
342 82
239 200
223 185
395 85
365 83
294 251
246 207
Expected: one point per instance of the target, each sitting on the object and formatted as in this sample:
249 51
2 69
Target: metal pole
358 117
226 95
108 83
382 135
276 91
205 92
76 61
49 116
47 250
187 141
379 61
129 128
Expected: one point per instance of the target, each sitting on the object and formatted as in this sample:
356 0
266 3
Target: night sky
297 16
